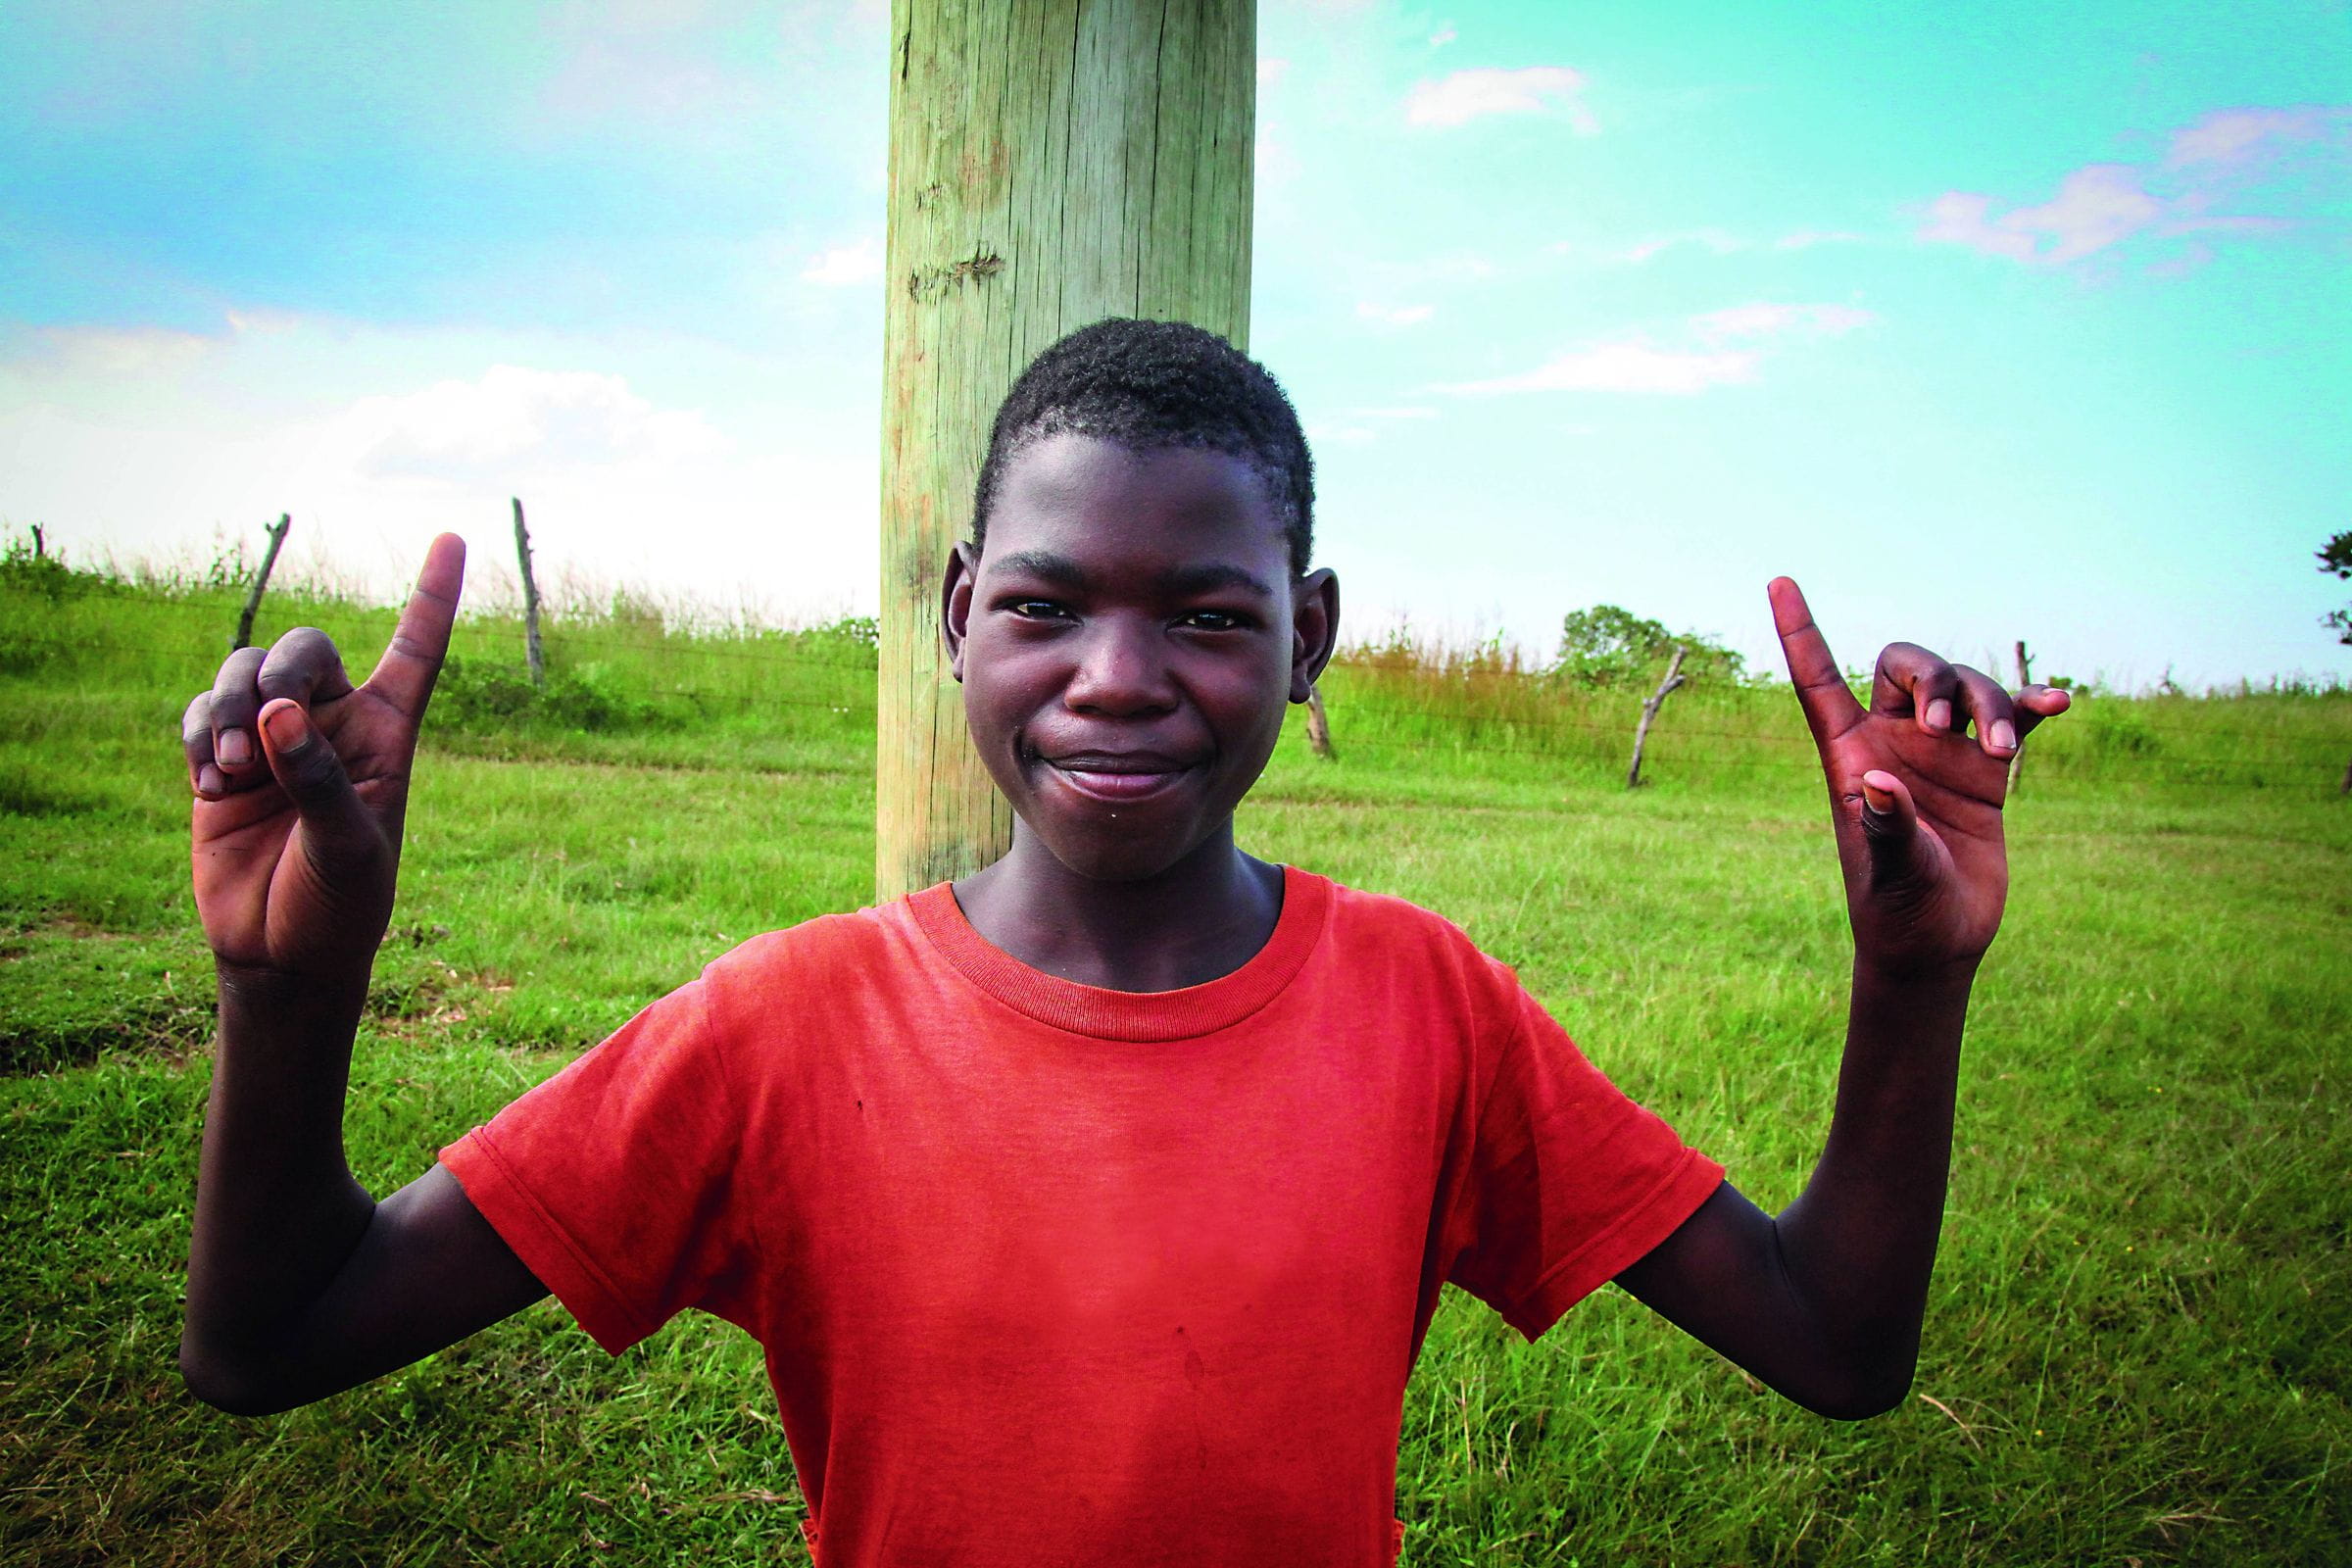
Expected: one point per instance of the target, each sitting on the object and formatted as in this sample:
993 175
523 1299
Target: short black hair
1151 384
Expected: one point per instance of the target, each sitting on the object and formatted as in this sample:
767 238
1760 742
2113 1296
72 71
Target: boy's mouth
1107 777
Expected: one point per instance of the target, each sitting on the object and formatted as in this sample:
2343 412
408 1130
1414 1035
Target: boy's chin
1098 852
1125 862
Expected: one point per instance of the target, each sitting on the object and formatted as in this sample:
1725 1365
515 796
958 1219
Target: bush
1607 646
47 575
483 695
863 631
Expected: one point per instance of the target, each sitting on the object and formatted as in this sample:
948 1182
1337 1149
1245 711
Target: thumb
307 769
1889 826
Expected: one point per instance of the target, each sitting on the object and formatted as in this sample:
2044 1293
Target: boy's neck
1198 921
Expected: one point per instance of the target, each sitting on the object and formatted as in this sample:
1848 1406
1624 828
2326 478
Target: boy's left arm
1823 1303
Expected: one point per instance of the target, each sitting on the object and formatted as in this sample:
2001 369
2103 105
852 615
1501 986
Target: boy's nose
1120 671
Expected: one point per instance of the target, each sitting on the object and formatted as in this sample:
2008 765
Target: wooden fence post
260 580
1052 163
1649 713
530 598
2017 760
1318 724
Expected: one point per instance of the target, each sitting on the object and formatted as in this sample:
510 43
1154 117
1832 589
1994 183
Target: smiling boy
1092 1208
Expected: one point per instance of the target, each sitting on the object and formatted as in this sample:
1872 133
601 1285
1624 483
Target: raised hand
302 784
1916 800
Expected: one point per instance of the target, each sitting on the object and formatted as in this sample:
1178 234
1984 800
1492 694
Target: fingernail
210 782
234 747
2002 735
287 731
1940 714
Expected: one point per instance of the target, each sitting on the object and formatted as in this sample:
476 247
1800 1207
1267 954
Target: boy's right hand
302 783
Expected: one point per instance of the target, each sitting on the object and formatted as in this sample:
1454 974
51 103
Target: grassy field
2140 1342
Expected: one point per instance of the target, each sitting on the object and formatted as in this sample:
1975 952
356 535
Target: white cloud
517 420
847 266
375 439
1963 218
1394 314
652 63
1271 70
1629 365
2234 136
104 352
1713 241
2101 206
1444 35
707 469
1728 346
1468 95
1276 164
2097 206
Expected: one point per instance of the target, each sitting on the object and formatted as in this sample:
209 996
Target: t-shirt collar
1137 1016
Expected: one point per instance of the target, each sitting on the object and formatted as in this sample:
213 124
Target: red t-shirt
1051 1274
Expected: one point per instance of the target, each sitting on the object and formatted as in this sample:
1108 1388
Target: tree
1608 646
2336 557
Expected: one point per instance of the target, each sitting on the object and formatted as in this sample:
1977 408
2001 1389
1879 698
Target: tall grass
1407 697
2138 1346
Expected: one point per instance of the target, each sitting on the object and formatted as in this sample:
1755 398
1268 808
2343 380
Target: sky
1983 321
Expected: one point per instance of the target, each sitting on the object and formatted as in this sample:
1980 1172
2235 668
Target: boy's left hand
1917 803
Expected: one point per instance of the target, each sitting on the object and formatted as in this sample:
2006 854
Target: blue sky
1983 321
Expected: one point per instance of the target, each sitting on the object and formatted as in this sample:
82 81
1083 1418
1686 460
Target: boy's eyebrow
1209 576
1046 563
1198 578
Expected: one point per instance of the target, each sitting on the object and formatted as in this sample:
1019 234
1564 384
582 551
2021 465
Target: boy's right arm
298 1284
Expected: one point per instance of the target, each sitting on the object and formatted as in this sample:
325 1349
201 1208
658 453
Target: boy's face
1127 644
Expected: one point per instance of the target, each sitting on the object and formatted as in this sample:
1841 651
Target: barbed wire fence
627 666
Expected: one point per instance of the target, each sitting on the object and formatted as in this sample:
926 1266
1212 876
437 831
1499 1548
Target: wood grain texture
1052 163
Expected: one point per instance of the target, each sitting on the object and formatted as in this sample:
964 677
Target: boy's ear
956 603
1314 630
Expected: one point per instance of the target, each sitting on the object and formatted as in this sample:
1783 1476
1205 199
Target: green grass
2140 1345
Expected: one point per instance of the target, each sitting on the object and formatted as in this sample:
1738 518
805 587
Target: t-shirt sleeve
1568 1182
613 1180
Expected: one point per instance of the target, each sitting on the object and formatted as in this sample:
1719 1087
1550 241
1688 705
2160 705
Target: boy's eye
1035 608
1212 620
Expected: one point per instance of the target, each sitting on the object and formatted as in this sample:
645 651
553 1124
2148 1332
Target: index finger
404 675
1829 702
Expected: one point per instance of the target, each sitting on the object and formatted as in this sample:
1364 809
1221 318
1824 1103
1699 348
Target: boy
1091 1209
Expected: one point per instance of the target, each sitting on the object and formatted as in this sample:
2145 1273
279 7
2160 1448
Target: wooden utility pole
1052 163
530 598
261 581
1649 715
